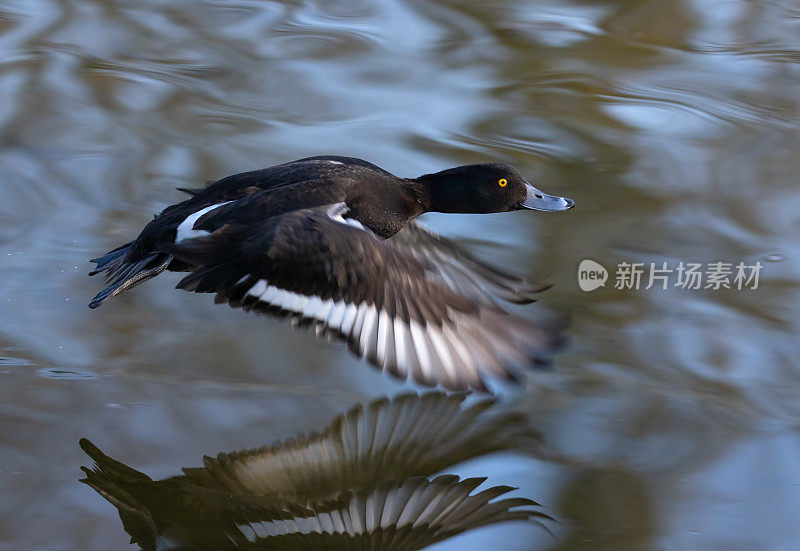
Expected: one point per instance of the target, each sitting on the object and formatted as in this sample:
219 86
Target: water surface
672 421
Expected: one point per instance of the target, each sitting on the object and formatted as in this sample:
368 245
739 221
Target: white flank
186 229
336 213
258 288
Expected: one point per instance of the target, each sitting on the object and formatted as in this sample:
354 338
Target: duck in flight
331 241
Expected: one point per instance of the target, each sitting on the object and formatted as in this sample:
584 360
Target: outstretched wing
388 439
399 515
460 270
393 516
395 310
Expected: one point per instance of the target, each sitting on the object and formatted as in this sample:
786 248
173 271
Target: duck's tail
123 273
112 480
107 470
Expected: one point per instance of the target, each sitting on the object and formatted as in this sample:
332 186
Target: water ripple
674 126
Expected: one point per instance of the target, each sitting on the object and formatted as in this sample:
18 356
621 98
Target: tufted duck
318 240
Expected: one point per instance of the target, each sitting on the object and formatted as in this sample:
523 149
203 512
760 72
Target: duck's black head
486 188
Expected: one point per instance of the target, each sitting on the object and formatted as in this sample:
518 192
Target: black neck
445 191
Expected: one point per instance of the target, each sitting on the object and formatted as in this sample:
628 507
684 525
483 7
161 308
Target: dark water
671 423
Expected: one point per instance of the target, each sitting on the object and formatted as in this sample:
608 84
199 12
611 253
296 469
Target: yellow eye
502 182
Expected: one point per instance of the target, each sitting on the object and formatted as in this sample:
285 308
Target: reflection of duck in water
364 482
319 240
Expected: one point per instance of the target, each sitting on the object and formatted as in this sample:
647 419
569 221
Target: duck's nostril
539 195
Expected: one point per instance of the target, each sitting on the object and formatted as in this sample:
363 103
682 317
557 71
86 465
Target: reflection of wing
359 484
405 515
385 440
391 308
461 271
408 515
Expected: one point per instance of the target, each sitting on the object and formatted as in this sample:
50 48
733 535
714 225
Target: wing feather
393 438
460 270
392 306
